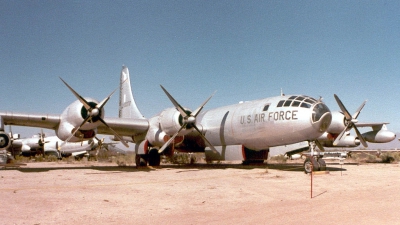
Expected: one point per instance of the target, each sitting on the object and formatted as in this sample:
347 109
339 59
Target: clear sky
243 49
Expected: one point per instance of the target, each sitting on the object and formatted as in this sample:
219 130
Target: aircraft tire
322 164
310 162
140 160
154 157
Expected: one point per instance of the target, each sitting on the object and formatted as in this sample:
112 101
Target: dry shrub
279 159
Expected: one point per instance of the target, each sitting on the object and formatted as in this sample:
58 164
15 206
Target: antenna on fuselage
282 94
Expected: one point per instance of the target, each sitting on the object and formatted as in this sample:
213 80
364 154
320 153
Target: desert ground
228 193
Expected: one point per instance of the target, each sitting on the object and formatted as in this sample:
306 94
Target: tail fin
127 105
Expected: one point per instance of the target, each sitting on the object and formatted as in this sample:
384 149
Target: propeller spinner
188 121
350 122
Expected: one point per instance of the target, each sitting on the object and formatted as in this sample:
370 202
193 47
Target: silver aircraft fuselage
261 124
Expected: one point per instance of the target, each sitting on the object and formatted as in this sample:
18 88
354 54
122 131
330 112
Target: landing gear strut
314 162
152 158
140 160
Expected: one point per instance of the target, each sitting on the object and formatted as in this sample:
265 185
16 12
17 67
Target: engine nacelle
156 137
5 140
170 121
65 130
73 116
51 146
346 141
379 136
337 124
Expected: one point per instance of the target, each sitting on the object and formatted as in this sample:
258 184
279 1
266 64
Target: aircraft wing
124 126
375 126
48 121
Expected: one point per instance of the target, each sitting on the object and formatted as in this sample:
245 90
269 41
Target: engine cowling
170 121
346 141
73 116
65 130
5 140
379 136
337 124
156 137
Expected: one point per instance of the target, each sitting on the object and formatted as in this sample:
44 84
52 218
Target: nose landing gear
314 161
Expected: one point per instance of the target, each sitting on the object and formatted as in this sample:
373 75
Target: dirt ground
104 193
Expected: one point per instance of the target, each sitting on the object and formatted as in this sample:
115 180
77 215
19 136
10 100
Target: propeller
350 122
320 146
188 122
41 141
11 144
93 114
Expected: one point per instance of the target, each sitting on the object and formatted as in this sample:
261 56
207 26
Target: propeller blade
190 119
362 140
336 142
176 104
115 133
80 98
355 115
197 111
102 103
205 140
74 132
161 150
319 145
344 110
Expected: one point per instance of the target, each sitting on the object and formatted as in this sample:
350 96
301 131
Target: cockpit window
287 103
309 101
305 105
295 103
298 101
266 107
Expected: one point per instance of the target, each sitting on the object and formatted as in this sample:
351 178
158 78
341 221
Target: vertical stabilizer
127 105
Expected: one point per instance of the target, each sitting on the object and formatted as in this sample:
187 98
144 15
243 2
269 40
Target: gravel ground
104 193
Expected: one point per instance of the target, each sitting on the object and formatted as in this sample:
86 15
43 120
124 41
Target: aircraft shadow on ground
295 167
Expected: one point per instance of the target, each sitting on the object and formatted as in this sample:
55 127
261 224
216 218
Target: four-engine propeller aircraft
39 144
251 127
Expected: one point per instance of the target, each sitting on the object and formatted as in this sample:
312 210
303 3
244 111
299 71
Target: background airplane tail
127 104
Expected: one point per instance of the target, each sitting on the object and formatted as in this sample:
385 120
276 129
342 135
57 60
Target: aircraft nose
321 117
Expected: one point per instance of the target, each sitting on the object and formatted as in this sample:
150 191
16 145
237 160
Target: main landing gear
152 158
314 161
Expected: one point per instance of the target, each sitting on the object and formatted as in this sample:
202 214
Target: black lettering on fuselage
294 115
258 118
286 115
272 116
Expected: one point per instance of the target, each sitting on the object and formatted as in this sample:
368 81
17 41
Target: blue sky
243 49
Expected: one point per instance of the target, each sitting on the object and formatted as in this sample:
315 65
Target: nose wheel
314 161
314 164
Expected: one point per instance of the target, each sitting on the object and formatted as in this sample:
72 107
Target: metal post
312 169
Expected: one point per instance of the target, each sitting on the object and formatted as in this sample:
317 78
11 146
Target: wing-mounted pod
379 134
